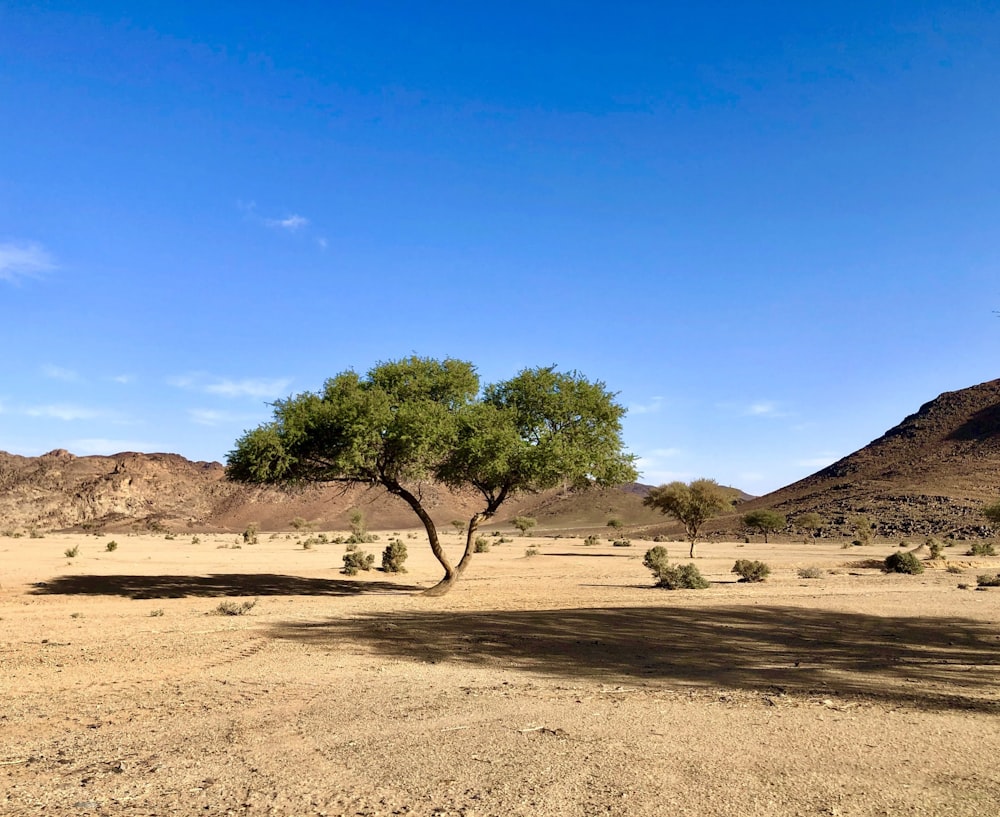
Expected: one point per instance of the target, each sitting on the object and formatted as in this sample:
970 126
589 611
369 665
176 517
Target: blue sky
772 228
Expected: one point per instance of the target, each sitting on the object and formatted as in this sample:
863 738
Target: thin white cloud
819 461
249 387
24 260
213 417
122 378
322 243
291 222
105 446
652 407
762 408
59 373
64 412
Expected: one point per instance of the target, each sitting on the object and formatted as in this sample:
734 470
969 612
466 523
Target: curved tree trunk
450 574
469 543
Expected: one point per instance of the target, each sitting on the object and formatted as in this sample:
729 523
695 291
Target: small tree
764 521
415 419
393 556
692 504
616 523
250 534
863 528
810 522
524 524
992 513
458 525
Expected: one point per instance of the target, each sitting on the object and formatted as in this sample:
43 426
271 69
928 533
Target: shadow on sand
219 584
939 663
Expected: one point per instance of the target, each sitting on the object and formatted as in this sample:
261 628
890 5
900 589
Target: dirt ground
557 684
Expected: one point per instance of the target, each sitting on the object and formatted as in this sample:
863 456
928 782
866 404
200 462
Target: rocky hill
931 474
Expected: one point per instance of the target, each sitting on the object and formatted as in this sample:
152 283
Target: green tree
810 522
764 521
992 513
690 504
415 419
524 524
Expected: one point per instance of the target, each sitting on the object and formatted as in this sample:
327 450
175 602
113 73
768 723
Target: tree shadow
218 584
940 663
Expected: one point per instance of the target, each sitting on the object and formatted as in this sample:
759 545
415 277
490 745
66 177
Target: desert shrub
904 544
681 577
532 551
359 530
482 545
72 552
982 549
661 538
393 556
111 546
591 540
170 537
954 569
903 563
622 543
234 608
156 613
616 523
195 540
250 534
309 543
656 559
504 540
34 533
299 523
411 535
936 547
986 580
355 560
751 571
524 524
323 539
810 573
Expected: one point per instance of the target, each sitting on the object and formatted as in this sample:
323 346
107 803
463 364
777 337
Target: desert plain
562 683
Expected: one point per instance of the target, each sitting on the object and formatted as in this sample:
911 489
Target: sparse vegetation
359 530
250 534
531 551
863 530
992 512
655 559
936 547
195 540
73 552
482 544
681 577
621 543
34 533
156 613
903 563
986 580
459 526
111 546
810 522
299 523
764 521
954 569
524 524
393 557
751 570
982 549
170 537
591 540
357 560
692 504
616 523
810 573
235 608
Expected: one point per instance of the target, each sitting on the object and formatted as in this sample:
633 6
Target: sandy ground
558 684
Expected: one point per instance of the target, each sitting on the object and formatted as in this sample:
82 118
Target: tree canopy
691 504
418 419
765 521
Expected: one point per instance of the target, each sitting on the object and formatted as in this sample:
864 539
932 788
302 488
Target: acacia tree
765 521
418 419
692 505
810 521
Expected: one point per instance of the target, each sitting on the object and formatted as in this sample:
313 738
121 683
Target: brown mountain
931 474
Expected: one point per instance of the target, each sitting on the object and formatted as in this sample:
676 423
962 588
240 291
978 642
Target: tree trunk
691 552
450 574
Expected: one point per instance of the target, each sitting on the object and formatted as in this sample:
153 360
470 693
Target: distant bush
532 551
903 563
936 547
987 580
309 543
482 545
524 524
195 540
250 534
234 608
622 543
661 538
616 523
170 537
656 559
111 546
954 569
751 571
34 533
355 560
591 540
982 549
393 556
681 577
810 573
72 552
504 540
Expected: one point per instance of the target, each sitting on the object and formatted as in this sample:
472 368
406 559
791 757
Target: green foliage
482 545
524 524
936 547
111 546
356 560
250 534
764 521
73 552
864 529
982 549
903 563
622 543
459 526
234 608
992 512
616 523
810 522
751 571
393 556
419 418
681 577
655 559
692 504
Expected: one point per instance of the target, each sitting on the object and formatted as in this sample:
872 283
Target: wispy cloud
212 417
819 461
59 373
24 260
763 408
322 243
64 412
652 407
290 222
653 466
122 378
261 388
